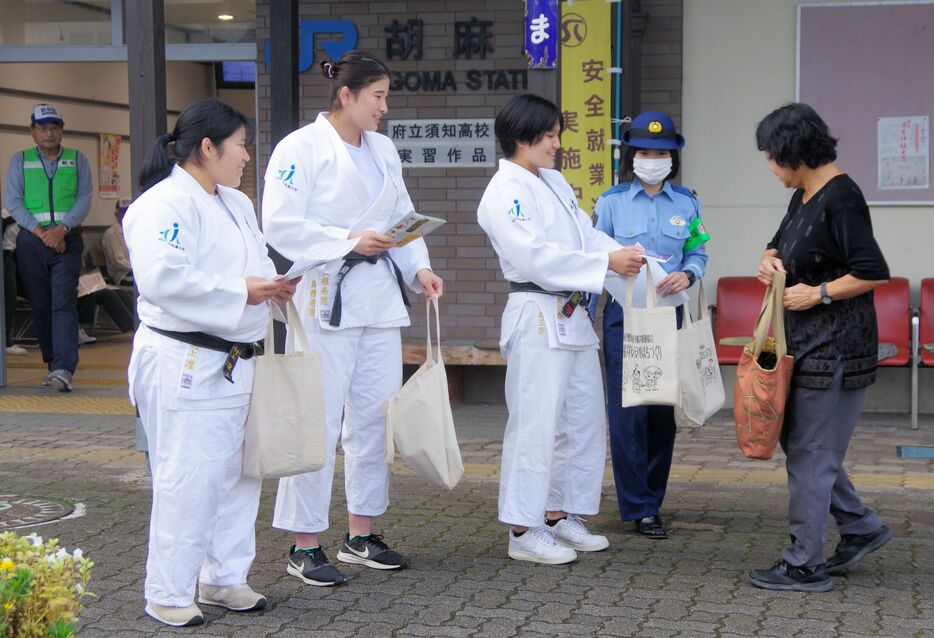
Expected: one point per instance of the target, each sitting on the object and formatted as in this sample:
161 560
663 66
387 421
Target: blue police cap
653 130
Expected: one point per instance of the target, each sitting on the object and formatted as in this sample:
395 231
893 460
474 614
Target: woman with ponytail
338 179
204 279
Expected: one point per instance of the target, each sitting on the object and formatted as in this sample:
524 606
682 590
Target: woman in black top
826 246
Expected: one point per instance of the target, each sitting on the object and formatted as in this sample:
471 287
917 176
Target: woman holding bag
338 179
826 247
204 278
554 447
646 208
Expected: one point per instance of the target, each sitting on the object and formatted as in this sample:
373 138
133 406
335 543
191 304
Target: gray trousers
817 429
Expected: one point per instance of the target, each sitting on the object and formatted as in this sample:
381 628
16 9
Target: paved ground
726 514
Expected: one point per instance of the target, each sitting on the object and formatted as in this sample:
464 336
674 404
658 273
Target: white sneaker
175 616
233 597
60 380
538 545
16 351
84 338
571 532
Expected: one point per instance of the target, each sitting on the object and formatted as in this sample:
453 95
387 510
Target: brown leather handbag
760 394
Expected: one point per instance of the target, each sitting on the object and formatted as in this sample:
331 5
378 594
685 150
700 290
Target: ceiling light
226 17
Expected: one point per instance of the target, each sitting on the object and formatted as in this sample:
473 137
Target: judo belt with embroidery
572 299
235 350
350 261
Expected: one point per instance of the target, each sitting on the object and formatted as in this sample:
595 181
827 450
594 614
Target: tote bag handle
650 300
294 322
428 305
773 310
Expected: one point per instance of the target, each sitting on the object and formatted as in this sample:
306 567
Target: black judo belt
352 260
572 298
235 350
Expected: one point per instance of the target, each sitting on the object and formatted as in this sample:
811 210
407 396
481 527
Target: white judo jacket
313 193
541 236
190 257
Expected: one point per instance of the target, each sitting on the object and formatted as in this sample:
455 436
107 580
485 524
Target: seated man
116 255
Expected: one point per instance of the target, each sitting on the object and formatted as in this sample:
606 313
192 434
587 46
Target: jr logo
306 40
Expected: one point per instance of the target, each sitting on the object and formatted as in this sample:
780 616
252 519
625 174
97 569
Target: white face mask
652 171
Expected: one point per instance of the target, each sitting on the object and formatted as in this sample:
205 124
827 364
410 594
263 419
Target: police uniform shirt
660 223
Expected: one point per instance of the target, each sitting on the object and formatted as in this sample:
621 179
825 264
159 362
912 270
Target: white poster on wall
443 143
903 156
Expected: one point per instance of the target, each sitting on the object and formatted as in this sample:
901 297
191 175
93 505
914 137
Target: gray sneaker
47 381
60 380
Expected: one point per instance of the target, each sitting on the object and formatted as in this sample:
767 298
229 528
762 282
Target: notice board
868 70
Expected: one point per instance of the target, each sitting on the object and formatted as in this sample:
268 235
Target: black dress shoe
853 548
651 526
784 577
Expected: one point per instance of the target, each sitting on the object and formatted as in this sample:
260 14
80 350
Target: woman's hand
260 289
673 283
627 261
801 297
769 265
371 242
432 284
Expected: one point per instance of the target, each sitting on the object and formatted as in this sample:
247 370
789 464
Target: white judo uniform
316 192
554 447
191 252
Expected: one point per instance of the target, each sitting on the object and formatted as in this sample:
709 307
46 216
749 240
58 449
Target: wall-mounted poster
109 169
904 158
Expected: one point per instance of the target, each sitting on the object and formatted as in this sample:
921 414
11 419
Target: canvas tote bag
702 393
650 350
760 394
285 427
419 422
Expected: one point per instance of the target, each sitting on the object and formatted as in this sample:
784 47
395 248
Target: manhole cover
22 511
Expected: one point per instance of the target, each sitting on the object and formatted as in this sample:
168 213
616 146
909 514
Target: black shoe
313 568
370 550
651 526
853 548
785 577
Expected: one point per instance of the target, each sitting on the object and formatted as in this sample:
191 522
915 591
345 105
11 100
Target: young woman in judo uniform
555 442
337 179
204 276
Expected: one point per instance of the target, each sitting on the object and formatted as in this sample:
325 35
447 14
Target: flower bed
42 587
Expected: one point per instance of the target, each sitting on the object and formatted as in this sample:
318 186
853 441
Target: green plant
42 587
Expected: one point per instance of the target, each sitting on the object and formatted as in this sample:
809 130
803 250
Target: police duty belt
572 298
352 260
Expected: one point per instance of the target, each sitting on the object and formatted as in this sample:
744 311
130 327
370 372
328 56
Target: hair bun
329 69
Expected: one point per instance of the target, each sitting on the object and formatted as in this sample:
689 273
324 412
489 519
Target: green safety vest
49 200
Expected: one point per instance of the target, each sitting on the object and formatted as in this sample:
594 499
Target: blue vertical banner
541 33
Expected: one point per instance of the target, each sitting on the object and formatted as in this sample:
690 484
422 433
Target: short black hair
626 173
795 134
525 118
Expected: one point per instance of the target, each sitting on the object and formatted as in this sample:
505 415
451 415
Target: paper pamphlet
91 282
319 254
413 226
616 285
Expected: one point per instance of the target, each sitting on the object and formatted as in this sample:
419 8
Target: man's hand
432 284
372 243
54 237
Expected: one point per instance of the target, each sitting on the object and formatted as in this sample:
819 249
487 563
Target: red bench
739 300
893 312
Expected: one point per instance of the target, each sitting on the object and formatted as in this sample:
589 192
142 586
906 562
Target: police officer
48 193
646 208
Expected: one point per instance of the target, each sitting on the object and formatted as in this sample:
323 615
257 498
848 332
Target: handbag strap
772 312
294 323
650 301
428 352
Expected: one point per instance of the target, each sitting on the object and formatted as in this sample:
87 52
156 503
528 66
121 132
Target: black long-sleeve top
820 241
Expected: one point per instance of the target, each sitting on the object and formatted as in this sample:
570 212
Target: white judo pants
362 370
554 448
203 509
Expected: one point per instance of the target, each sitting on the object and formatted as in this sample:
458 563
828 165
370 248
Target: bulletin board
868 70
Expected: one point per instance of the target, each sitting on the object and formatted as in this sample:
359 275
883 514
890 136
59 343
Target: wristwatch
67 228
824 297
691 277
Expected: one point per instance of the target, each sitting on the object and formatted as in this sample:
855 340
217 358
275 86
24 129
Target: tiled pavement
726 514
